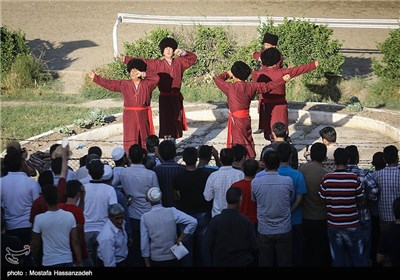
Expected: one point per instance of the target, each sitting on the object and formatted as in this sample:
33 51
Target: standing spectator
190 187
220 181
18 192
387 181
170 70
239 95
389 244
205 153
75 193
371 188
158 231
97 199
284 152
280 135
120 163
113 239
137 117
153 157
363 209
316 243
248 207
275 99
269 41
272 194
231 237
341 191
56 230
167 171
241 154
136 180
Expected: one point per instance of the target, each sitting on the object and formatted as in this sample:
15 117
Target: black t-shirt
191 186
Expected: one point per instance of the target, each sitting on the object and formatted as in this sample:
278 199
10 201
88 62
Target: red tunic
275 101
172 115
261 107
239 96
248 207
136 119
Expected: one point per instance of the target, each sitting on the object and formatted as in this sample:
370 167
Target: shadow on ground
56 56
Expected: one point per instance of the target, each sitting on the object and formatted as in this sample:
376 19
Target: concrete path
210 127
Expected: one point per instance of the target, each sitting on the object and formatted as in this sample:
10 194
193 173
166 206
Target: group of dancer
146 74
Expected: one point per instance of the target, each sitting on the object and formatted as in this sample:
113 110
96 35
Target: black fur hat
270 57
136 64
270 38
168 42
241 70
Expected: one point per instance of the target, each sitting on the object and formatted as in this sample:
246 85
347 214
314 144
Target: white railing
245 21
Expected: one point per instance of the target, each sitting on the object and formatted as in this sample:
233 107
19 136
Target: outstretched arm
301 69
113 85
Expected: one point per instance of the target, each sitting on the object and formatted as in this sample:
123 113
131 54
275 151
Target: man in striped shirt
341 192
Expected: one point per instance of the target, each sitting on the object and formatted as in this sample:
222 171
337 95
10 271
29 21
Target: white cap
108 173
153 194
117 153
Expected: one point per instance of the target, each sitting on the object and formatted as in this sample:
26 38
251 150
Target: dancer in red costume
275 100
137 117
170 69
239 95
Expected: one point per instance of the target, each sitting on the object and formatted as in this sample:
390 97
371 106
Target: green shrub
389 67
12 45
26 72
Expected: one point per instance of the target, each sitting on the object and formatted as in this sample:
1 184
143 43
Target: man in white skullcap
158 231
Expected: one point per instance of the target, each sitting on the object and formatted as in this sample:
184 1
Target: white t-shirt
55 228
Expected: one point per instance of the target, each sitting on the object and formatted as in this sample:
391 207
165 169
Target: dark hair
318 152
328 133
391 154
189 155
205 152
241 70
354 156
56 165
270 57
46 178
167 150
95 150
378 161
280 129
82 161
50 194
250 167
136 154
13 160
271 160
341 156
227 156
396 208
233 195
239 152
284 151
53 148
151 142
96 169
73 188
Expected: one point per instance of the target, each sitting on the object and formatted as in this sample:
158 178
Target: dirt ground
77 35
